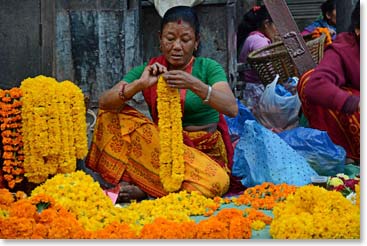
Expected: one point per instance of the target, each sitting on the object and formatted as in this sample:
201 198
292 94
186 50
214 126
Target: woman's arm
324 86
220 97
115 98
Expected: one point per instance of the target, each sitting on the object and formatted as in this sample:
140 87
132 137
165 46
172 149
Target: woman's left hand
180 79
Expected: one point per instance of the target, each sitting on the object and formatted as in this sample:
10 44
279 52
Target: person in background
125 145
330 94
328 9
255 31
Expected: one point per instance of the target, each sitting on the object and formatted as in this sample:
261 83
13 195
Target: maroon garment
330 94
340 67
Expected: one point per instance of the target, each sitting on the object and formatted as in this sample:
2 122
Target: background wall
95 42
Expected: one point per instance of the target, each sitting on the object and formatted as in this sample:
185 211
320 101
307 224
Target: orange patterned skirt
343 129
125 147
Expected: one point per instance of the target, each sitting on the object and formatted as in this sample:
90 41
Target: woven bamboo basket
274 59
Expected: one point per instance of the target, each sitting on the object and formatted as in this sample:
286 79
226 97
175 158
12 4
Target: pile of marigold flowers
264 196
314 213
78 207
74 206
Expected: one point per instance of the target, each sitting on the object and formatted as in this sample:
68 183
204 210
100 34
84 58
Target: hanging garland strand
12 145
54 127
170 137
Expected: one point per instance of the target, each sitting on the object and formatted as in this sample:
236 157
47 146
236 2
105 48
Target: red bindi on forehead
179 21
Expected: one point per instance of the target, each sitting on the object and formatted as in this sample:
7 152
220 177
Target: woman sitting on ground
125 145
330 94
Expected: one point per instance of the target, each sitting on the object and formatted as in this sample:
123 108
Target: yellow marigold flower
335 181
258 225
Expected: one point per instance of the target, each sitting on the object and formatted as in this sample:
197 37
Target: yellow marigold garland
314 212
171 160
11 135
54 127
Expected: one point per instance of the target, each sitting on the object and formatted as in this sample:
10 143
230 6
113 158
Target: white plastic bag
274 111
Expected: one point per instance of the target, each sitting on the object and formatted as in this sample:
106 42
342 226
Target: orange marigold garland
322 30
171 160
264 196
12 170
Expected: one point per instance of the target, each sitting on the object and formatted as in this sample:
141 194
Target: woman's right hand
150 74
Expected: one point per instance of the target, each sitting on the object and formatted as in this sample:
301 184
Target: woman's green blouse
195 112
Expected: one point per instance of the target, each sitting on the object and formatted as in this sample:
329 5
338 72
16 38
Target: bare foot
130 192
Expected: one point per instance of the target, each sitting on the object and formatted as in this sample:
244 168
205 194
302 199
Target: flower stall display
93 215
74 206
43 133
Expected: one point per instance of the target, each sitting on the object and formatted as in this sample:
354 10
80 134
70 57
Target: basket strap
290 35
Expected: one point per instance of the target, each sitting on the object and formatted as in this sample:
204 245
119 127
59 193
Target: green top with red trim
196 113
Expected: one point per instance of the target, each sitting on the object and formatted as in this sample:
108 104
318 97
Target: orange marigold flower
23 209
115 230
6 198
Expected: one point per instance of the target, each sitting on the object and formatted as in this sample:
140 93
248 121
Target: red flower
350 183
256 8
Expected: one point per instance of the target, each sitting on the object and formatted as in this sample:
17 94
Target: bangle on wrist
122 95
206 100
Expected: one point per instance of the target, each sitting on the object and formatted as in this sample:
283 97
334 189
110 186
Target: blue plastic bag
262 156
325 157
235 124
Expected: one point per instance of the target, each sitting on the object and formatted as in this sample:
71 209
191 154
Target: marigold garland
12 170
171 160
314 212
264 196
54 127
323 30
